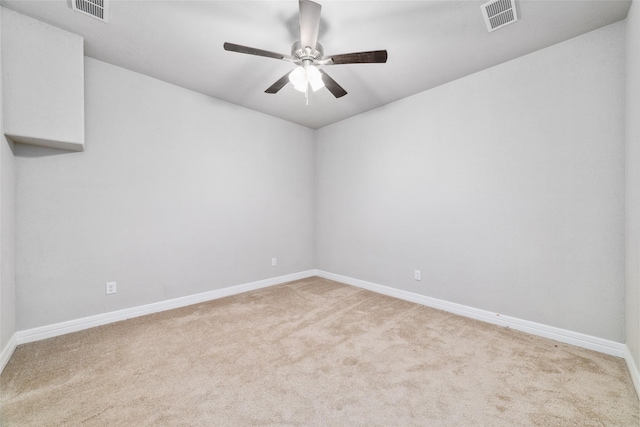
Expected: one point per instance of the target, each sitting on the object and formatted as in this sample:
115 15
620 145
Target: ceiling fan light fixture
304 76
314 77
298 78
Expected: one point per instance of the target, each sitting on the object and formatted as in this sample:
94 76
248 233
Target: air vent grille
498 13
95 8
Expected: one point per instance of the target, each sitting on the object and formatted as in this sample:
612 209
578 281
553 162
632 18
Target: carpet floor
316 353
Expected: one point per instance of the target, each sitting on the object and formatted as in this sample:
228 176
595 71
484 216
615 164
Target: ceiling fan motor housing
303 54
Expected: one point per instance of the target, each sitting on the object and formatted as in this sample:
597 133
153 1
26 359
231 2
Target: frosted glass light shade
315 78
302 77
298 77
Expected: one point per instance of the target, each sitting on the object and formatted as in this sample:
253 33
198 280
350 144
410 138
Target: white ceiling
429 43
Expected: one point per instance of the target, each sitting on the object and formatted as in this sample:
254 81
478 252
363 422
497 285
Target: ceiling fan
308 55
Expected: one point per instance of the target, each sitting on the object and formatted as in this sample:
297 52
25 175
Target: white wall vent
98 9
498 13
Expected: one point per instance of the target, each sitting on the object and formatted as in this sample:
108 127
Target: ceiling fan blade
309 23
372 57
333 87
282 81
253 51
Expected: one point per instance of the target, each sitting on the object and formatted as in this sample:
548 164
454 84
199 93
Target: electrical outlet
274 262
417 275
110 288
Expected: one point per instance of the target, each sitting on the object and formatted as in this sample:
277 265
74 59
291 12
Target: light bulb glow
314 77
303 76
298 77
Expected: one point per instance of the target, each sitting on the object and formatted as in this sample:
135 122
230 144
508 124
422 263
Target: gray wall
7 230
505 188
177 193
633 183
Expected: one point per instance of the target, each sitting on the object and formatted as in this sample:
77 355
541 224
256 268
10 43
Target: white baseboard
562 335
7 352
633 369
48 331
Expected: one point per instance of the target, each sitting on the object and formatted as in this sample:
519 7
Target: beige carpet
312 352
